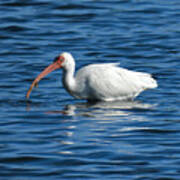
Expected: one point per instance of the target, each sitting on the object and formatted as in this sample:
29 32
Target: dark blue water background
54 136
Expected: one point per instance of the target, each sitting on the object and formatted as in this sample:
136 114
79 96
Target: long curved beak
45 72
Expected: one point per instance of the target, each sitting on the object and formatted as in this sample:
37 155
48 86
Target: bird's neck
69 80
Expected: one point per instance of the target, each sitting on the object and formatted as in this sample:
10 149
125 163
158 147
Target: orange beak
46 71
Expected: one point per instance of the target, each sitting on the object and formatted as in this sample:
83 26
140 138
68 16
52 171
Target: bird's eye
61 58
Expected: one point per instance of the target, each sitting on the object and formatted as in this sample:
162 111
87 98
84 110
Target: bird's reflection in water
105 109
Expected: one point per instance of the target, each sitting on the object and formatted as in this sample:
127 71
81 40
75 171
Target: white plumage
104 82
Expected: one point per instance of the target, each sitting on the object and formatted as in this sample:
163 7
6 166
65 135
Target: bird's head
64 60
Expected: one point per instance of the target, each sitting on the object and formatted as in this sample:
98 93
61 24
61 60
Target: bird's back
109 82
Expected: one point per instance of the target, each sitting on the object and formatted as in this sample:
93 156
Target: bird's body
104 82
107 82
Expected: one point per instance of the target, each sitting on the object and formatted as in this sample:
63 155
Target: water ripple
53 136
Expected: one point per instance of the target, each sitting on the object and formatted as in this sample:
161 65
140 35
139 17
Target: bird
98 82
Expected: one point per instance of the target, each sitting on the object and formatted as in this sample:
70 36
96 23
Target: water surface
54 136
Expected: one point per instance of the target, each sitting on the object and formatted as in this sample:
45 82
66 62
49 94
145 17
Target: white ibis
104 82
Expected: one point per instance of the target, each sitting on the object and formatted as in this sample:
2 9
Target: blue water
53 136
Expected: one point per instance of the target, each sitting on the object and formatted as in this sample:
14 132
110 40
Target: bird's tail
148 81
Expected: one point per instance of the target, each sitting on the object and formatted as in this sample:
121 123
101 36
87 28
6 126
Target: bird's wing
107 81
